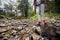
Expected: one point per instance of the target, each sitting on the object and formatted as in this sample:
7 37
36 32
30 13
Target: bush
31 13
52 15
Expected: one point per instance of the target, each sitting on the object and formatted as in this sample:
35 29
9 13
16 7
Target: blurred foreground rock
26 29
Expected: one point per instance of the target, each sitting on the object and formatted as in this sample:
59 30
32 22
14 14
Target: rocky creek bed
26 29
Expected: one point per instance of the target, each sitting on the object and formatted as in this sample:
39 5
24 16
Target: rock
17 36
37 30
6 35
3 29
57 24
2 20
14 33
25 29
1 36
19 28
58 32
2 24
9 18
27 38
24 35
35 36
1 17
5 38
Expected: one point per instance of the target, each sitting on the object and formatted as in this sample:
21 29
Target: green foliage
50 6
8 11
52 15
32 14
57 4
11 15
2 14
8 7
53 6
23 6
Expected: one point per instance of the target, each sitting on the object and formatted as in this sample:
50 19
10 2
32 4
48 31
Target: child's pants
42 11
38 10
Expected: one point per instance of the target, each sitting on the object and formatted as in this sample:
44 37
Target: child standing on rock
39 4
